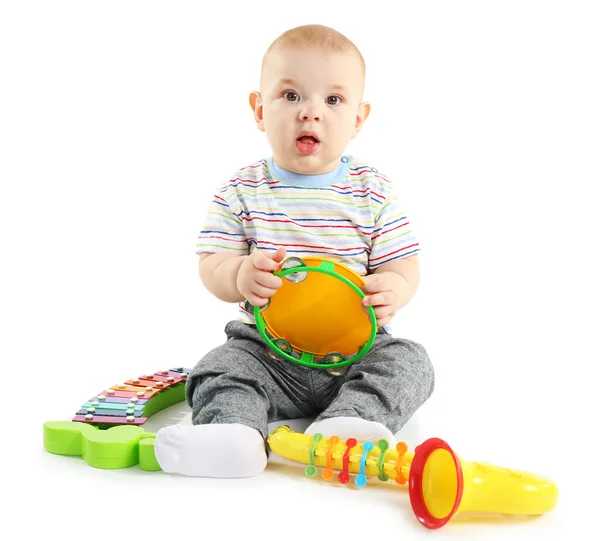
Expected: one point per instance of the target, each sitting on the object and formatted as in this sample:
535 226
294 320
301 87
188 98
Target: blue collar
309 181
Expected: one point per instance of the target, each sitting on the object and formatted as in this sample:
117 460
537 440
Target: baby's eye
333 100
291 96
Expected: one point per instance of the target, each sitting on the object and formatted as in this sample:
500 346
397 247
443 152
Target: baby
307 199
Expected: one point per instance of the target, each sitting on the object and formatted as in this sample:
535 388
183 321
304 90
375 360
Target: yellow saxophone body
441 484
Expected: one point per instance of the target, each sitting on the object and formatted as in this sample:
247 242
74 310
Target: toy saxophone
440 483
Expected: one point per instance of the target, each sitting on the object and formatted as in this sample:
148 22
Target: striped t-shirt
353 215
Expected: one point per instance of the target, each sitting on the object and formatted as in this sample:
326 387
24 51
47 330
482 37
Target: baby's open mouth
307 144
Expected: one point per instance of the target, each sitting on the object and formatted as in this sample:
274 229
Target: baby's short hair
315 36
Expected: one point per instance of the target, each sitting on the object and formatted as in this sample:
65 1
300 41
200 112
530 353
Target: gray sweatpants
238 382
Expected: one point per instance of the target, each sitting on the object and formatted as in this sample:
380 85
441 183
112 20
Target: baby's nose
311 113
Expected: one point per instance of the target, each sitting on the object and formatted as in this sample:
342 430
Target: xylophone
106 430
135 400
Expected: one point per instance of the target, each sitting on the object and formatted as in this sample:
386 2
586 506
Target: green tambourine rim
306 359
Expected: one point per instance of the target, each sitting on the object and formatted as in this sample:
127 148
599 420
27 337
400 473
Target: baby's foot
352 427
214 450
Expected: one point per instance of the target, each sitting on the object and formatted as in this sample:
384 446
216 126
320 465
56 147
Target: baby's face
310 107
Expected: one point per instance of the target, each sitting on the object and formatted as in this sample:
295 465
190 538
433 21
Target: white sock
213 450
352 427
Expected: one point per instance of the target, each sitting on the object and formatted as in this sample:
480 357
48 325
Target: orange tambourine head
318 312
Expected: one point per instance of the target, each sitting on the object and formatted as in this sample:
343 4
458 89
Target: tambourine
317 314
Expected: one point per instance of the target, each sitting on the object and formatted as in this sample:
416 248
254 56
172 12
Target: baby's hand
255 279
386 292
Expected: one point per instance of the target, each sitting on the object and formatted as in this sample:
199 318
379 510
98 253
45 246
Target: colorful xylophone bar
128 402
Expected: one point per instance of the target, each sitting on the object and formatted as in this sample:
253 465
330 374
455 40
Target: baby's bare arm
391 286
234 278
218 273
408 268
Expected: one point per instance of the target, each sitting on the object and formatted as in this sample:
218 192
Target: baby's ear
255 100
364 109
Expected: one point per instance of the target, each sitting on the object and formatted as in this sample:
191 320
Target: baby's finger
382 312
378 299
279 255
375 284
263 262
268 279
384 321
255 300
381 316
262 291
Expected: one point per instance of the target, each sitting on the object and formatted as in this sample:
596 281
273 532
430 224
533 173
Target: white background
117 121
